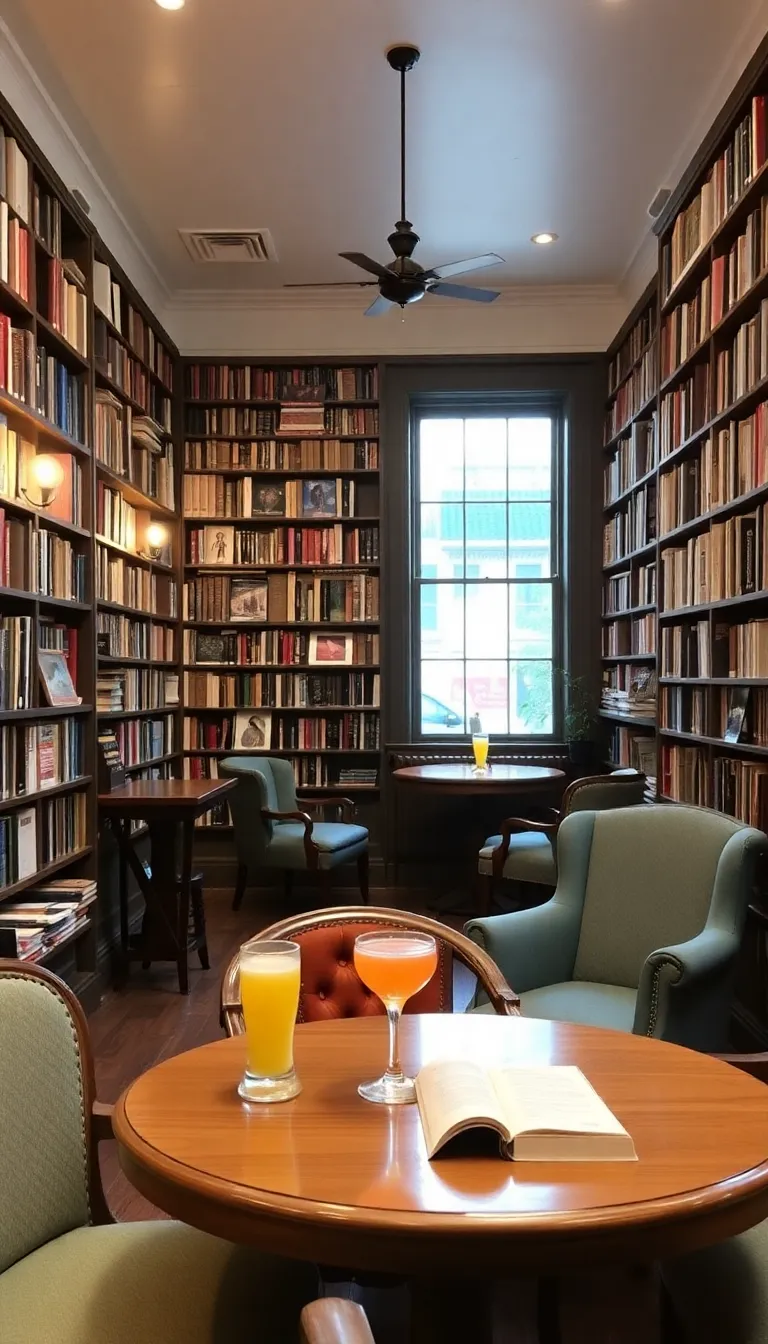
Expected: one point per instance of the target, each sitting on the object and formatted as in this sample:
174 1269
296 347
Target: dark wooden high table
329 1177
169 807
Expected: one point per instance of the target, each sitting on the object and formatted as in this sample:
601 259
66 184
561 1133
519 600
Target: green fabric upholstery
43 1170
649 900
267 782
530 858
720 1294
151 1283
581 1001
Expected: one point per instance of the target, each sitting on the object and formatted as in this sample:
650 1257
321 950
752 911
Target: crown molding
353 299
47 126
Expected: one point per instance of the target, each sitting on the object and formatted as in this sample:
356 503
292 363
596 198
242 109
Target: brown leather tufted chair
330 986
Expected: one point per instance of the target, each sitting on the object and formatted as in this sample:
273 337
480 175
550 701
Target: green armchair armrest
345 806
310 848
515 826
531 947
685 990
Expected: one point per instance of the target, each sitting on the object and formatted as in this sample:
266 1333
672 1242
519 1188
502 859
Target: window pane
529 537
530 697
441 452
442 698
442 620
530 620
487 690
530 457
486 458
442 538
486 541
486 617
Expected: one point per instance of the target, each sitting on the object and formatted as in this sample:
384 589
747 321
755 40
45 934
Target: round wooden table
459 778
331 1178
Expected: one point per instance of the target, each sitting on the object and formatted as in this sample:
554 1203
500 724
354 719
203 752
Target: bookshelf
281 644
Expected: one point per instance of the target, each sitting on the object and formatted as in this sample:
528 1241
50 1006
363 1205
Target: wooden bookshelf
252 485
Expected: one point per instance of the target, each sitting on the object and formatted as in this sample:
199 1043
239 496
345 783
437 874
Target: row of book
358 420
68 302
131 446
128 585
272 455
15 177
737 787
632 588
17 456
109 300
637 635
135 688
631 348
58 568
730 463
36 378
47 916
283 597
264 730
728 179
632 526
35 756
16 644
633 394
142 740
14 253
335 545
629 688
115 362
270 690
729 560
128 637
34 837
630 748
739 650
119 521
272 648
684 710
744 363
247 382
634 457
686 328
213 496
734 714
46 218
684 411
309 772
685 650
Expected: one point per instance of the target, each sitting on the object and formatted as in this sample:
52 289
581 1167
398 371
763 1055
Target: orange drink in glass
480 751
395 966
270 979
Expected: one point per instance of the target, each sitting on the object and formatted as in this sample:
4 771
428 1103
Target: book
218 546
248 600
737 709
548 1113
252 730
54 674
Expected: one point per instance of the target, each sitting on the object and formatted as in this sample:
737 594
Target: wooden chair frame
504 999
346 809
334 1320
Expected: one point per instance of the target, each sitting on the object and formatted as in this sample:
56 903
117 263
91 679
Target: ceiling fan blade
379 306
464 292
367 264
461 267
332 284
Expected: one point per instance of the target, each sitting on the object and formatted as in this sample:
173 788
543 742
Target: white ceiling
524 115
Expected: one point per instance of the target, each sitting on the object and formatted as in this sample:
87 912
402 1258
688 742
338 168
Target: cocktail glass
395 966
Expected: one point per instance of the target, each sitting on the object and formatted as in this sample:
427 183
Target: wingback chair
273 831
68 1273
526 851
643 931
330 985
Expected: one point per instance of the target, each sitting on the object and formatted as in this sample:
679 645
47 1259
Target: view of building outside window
485 573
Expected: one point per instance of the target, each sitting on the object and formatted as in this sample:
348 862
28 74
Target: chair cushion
151 1283
530 858
721 1293
581 1001
331 987
338 842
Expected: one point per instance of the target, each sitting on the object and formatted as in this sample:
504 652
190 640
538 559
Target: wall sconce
155 538
47 474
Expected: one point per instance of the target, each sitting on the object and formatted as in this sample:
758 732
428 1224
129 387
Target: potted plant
579 718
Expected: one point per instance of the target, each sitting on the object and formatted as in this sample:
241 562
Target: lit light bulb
156 536
170 4
543 239
48 473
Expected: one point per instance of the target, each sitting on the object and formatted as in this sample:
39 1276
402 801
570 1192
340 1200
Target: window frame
470 405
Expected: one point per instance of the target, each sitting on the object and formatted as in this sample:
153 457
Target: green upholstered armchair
272 830
643 931
526 851
68 1274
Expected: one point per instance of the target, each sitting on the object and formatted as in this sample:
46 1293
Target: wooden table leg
617 1306
184 904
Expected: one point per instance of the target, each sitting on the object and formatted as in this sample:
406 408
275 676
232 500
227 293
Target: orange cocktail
395 966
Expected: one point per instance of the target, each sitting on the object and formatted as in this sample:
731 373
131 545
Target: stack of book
52 913
110 692
359 778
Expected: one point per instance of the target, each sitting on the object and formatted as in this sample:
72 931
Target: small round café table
331 1178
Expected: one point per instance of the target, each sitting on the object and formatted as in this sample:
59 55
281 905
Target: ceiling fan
403 280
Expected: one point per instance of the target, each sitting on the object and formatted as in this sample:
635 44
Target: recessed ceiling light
543 238
170 4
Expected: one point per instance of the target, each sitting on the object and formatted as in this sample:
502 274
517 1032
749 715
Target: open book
542 1114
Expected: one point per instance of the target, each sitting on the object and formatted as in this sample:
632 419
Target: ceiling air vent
229 245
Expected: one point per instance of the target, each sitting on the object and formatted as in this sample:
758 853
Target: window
486 571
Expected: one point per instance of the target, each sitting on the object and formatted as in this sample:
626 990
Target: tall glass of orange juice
395 965
270 979
480 752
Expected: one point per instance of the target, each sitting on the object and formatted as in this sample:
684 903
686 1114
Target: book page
551 1098
454 1095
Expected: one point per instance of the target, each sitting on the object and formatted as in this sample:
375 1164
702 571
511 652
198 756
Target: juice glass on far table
395 966
270 979
480 752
